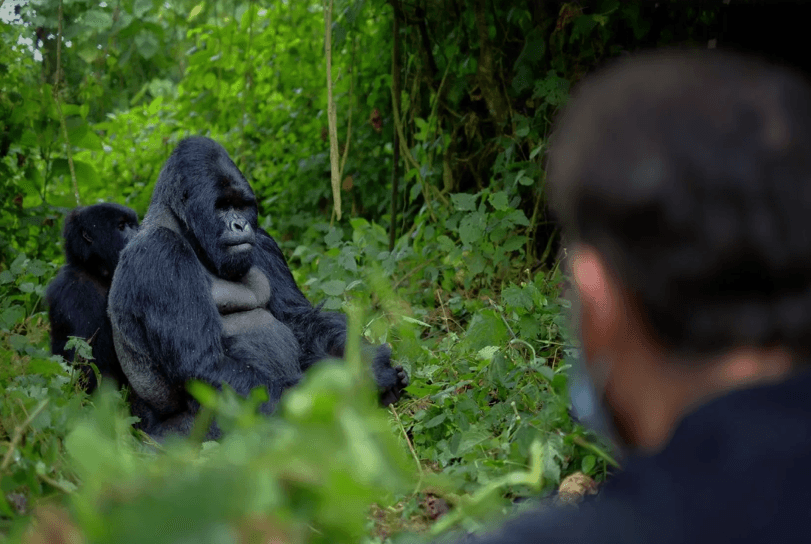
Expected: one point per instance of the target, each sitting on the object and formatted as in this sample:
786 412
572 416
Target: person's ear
594 289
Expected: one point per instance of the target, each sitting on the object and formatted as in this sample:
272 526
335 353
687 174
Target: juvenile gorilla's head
95 235
214 204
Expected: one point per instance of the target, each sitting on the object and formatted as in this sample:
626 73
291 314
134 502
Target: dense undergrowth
485 420
444 249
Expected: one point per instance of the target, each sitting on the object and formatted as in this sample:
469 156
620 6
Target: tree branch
58 78
395 104
332 117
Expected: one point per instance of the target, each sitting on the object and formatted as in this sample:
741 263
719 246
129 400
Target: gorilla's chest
250 332
243 304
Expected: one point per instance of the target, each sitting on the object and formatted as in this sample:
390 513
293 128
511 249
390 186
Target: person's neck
666 390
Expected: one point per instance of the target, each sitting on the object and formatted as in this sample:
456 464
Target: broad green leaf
209 80
195 11
487 353
553 89
334 288
546 372
529 327
589 461
517 217
147 44
470 439
523 179
516 297
500 201
204 393
98 19
464 202
141 7
486 328
435 421
333 237
471 228
11 316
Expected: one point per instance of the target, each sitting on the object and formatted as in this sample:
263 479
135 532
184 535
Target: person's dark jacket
737 470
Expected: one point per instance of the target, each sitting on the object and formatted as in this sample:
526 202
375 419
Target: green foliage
489 394
22 289
264 476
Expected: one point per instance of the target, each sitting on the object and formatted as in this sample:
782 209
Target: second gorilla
202 293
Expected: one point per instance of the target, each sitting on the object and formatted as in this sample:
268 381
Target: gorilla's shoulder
74 279
61 282
267 242
156 244
157 239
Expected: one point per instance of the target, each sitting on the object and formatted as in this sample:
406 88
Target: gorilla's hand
390 381
392 394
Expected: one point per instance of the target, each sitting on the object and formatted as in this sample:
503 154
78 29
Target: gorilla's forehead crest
199 151
197 166
228 176
215 161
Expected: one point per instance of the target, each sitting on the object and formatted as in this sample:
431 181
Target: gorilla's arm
320 334
70 297
77 306
167 327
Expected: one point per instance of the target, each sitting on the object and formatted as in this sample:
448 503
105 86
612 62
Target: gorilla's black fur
77 297
202 293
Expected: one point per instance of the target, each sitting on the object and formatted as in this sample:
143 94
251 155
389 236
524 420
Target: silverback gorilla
77 297
202 293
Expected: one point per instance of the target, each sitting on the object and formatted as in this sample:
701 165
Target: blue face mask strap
588 399
587 392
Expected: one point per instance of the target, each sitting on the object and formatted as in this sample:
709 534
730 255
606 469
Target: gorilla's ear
87 236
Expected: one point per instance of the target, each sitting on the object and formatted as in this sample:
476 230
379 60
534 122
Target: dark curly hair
690 173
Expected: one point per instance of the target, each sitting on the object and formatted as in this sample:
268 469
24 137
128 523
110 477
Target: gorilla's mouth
238 248
237 242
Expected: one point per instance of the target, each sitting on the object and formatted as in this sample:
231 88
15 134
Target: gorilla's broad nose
239 224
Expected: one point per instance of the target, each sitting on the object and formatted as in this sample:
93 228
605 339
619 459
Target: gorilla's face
95 235
214 204
222 215
235 216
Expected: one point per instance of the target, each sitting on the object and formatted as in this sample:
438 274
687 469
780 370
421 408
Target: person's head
683 183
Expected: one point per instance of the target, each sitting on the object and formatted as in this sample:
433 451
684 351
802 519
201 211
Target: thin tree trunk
395 171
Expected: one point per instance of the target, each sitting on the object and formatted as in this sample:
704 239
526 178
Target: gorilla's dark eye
122 225
235 203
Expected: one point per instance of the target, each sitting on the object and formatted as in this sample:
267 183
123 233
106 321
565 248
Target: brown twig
410 446
349 120
18 434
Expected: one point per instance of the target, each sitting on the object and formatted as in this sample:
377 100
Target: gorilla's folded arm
320 334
